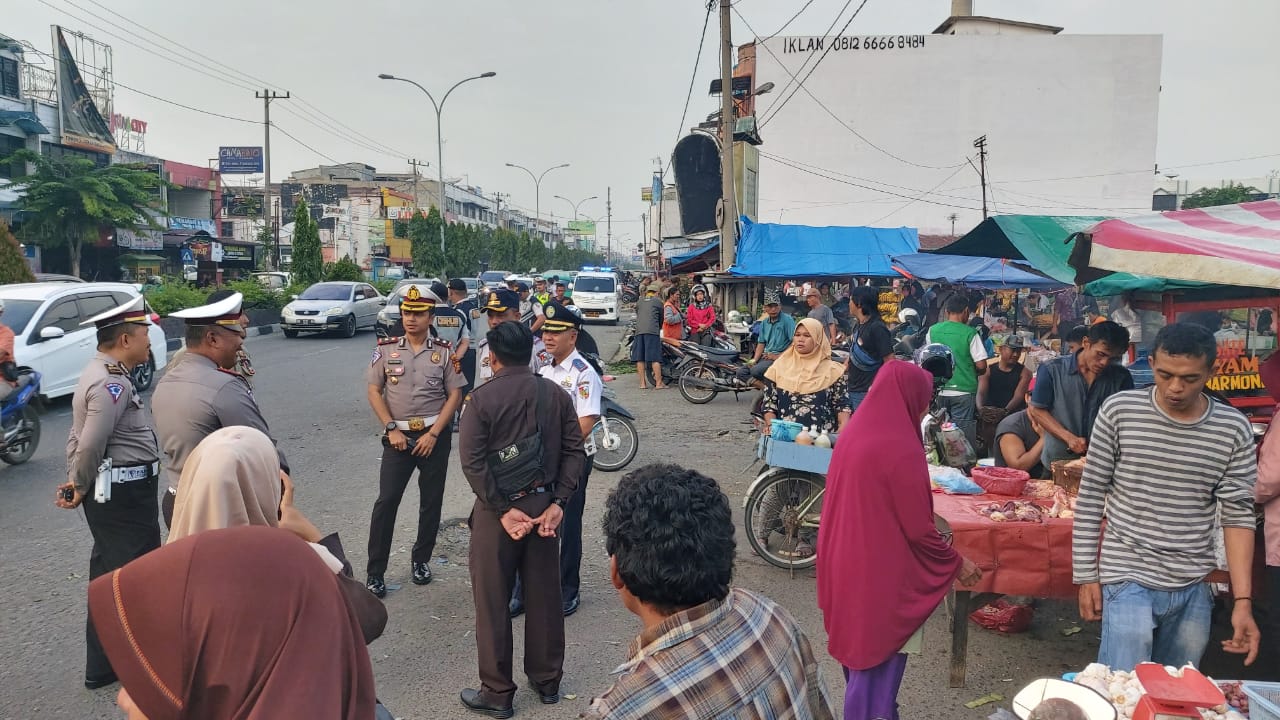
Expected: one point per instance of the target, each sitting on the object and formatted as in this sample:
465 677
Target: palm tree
69 200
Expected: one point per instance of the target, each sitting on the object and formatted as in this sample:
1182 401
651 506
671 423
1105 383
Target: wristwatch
559 501
391 426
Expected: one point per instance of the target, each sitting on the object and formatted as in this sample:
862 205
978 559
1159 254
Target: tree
308 265
267 260
424 242
345 269
69 200
1210 197
13 265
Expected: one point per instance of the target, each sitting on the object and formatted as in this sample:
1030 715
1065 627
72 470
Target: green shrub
345 270
385 286
256 295
171 297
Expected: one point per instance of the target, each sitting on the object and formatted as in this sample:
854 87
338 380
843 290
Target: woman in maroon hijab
188 633
878 536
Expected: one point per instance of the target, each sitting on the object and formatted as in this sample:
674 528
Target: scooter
614 434
713 370
20 421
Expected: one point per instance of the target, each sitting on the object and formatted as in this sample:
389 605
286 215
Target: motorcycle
713 371
675 358
614 434
20 421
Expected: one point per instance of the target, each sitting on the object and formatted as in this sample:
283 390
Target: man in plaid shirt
707 651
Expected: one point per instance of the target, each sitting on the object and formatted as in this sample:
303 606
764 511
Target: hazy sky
598 84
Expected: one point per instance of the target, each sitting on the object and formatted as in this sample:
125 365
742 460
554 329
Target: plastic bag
956 450
1003 616
952 481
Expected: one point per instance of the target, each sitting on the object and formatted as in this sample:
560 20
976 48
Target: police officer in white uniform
574 375
503 306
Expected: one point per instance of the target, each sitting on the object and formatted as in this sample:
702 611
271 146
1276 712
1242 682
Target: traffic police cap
224 312
415 302
132 311
522 287
560 318
458 285
501 301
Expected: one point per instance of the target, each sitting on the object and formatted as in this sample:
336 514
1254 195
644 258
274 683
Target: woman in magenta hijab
877 531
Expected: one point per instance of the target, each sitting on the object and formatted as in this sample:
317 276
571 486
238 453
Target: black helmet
936 359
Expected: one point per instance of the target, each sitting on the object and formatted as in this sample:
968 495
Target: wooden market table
1016 558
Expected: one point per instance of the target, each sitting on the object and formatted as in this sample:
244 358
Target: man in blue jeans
960 395
1166 466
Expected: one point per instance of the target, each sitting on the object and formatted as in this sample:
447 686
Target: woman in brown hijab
188 634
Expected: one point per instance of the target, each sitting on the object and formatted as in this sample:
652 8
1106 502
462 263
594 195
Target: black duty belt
536 490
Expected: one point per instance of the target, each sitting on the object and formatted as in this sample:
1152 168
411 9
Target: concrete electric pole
728 204
267 95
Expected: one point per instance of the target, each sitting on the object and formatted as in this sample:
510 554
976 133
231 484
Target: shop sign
145 239
239 160
1236 369
237 253
400 212
335 211
195 224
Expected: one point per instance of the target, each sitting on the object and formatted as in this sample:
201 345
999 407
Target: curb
174 344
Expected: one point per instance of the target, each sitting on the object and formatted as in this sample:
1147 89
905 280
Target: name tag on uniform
448 321
395 371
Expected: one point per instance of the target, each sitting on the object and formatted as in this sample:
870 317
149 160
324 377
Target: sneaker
421 573
376 586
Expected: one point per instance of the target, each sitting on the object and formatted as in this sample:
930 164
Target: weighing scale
1170 698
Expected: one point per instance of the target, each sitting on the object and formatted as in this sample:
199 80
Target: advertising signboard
240 160
582 227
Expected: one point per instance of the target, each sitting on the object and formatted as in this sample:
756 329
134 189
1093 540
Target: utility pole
413 163
981 145
953 217
608 214
662 185
267 95
728 123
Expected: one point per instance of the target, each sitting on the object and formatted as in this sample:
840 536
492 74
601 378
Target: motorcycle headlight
334 311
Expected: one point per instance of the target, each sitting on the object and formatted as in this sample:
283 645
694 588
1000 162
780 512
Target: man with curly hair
707 650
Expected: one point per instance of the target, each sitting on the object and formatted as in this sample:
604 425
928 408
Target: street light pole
578 204
439 108
537 199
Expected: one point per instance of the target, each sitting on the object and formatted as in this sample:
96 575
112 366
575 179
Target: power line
697 59
913 201
291 137
785 25
800 85
921 198
831 27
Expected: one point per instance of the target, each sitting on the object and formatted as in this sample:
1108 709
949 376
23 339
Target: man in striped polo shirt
1165 464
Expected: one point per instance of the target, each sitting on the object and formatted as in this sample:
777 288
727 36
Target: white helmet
906 315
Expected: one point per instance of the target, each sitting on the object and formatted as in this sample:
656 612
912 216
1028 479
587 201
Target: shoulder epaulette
442 343
116 369
388 341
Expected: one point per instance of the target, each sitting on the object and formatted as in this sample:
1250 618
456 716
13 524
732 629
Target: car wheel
145 374
349 327
289 333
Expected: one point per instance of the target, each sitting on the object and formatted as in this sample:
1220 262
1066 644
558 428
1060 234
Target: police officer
115 458
575 376
448 323
539 299
475 326
204 392
515 531
504 306
414 390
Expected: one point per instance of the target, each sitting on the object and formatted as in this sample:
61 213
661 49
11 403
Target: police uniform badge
115 390
584 389
550 311
377 355
435 358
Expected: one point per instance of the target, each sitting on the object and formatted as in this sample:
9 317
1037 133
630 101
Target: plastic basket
1264 700
1001 480
784 430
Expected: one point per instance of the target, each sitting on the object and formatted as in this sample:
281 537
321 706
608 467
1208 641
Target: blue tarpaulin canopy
800 251
985 273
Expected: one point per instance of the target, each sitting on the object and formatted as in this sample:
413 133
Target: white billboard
882 132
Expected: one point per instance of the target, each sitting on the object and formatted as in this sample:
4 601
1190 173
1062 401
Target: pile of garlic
1124 690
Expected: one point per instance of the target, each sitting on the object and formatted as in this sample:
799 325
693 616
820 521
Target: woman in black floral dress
808 386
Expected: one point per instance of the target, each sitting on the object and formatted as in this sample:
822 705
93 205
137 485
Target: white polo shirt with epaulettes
576 376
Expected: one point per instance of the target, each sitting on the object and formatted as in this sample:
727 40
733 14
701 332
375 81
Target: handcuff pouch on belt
102 483
518 467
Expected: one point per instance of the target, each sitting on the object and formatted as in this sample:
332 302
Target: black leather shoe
515 608
551 699
570 606
377 586
99 681
421 573
471 698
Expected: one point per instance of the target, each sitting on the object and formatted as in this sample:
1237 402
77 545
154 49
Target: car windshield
17 313
326 291
593 284
471 283
493 276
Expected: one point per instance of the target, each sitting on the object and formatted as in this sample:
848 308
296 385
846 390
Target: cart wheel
781 518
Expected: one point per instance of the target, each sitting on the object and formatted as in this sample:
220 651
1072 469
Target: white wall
1051 107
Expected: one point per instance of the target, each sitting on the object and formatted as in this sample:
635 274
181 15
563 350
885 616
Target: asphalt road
312 393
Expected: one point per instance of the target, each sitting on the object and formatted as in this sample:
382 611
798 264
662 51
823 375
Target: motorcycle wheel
698 384
616 443
774 517
21 452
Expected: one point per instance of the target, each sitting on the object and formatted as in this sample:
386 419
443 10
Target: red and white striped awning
1227 245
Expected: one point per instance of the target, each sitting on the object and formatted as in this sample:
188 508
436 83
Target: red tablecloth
1017 558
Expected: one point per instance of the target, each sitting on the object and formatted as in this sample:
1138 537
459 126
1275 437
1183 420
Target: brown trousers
495 558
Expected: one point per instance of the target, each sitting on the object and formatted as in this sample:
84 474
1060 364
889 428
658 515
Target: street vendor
1070 390
808 387
1144 575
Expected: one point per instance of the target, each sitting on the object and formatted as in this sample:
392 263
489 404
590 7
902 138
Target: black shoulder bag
518 467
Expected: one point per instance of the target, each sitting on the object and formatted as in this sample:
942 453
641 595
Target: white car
596 295
343 306
48 337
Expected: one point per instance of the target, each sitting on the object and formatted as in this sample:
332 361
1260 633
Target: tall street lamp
537 198
578 204
439 108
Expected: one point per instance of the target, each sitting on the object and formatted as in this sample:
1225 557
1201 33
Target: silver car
342 306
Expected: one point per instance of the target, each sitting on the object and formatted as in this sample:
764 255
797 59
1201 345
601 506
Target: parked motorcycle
713 371
674 357
615 435
20 421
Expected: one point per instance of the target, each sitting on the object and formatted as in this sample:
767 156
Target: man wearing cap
504 306
776 330
414 390
539 299
476 327
646 345
575 376
204 392
449 325
820 312
113 456
1001 390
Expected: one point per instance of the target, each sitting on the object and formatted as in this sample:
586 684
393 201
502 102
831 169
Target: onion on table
1013 511
1124 690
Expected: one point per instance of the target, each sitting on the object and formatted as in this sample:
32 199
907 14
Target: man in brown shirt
517 531
414 390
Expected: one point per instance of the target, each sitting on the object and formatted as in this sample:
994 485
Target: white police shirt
537 361
576 377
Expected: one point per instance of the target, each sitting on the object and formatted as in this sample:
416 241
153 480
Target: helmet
937 359
906 315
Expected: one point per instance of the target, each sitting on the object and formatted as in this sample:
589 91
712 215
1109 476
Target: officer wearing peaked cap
503 306
413 389
113 459
204 393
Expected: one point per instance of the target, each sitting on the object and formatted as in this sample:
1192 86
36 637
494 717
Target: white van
595 293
